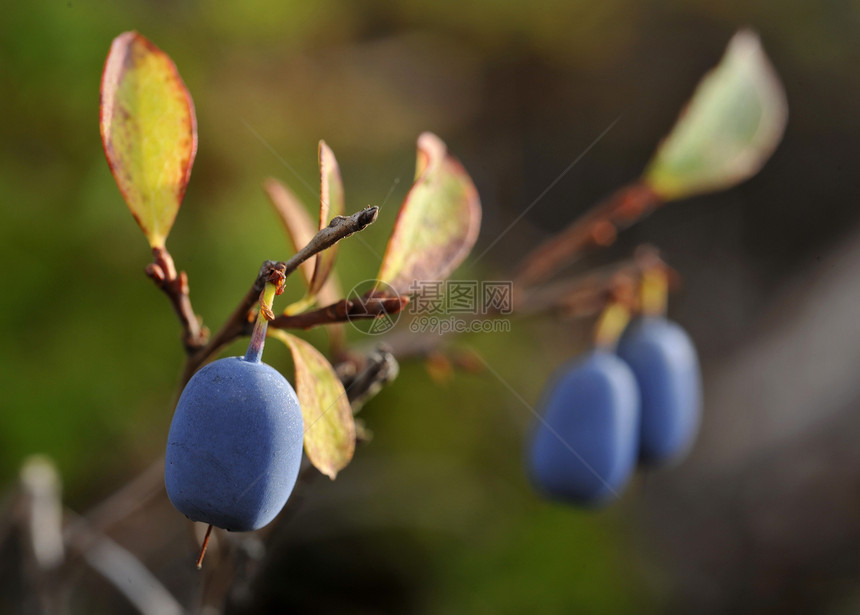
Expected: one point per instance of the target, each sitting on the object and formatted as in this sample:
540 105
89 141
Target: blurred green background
435 515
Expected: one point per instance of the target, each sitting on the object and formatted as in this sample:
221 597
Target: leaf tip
438 222
431 151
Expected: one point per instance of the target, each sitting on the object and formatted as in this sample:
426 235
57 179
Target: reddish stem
342 311
163 272
237 323
588 294
597 227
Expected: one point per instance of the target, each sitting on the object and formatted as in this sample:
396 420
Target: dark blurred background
435 514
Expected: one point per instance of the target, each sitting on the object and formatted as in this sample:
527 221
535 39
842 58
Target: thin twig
339 228
597 227
364 377
163 272
235 326
575 297
580 295
344 310
586 295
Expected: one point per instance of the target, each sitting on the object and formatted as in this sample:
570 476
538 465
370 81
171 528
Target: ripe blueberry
235 445
585 446
664 361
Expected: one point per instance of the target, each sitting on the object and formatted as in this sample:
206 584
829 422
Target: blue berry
664 361
585 447
235 445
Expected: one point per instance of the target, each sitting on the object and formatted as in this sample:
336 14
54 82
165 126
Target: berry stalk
653 292
274 286
611 324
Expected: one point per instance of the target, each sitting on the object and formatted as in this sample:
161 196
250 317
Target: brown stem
163 272
597 227
339 228
363 376
344 310
237 324
588 294
575 297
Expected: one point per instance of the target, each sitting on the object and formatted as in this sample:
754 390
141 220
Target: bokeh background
435 514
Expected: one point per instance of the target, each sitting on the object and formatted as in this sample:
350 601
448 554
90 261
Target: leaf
148 130
438 222
728 130
295 218
331 204
327 414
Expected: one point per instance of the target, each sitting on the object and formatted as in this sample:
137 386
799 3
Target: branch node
238 323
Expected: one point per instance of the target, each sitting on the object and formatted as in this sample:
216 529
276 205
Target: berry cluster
607 410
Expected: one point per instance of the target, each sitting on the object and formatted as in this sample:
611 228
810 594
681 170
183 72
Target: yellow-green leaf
729 128
295 218
438 222
149 132
331 204
327 414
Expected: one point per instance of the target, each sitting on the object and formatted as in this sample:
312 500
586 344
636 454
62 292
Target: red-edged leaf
331 204
438 222
327 414
149 132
